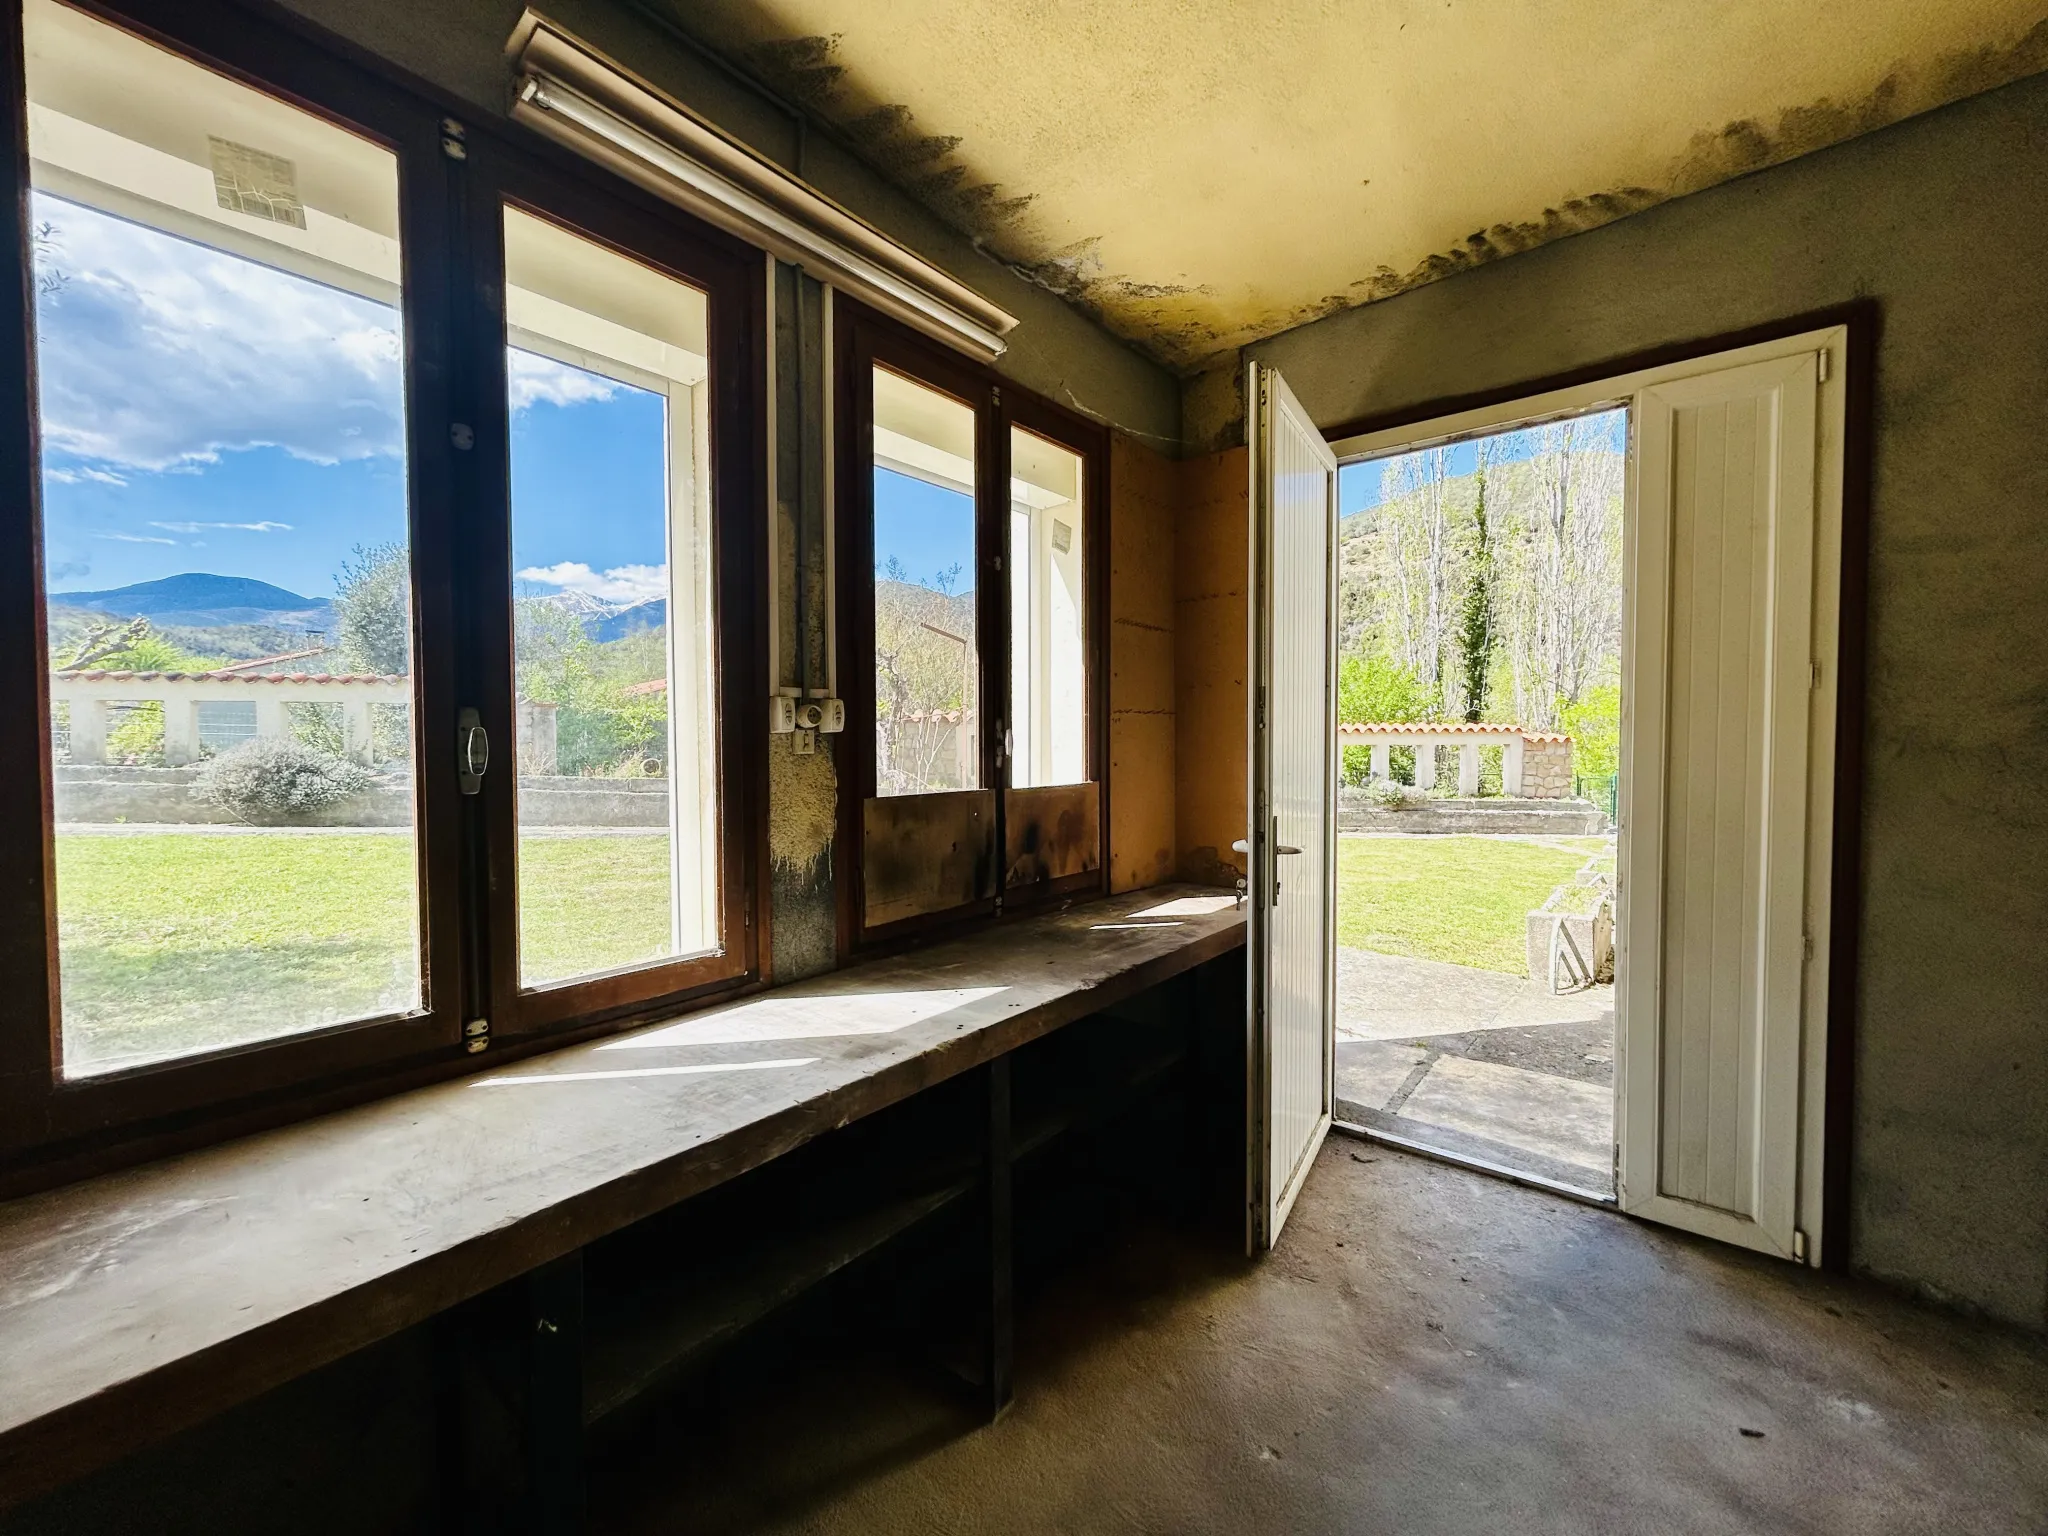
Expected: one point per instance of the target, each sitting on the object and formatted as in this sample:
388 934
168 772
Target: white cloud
266 526
156 353
535 379
620 584
134 538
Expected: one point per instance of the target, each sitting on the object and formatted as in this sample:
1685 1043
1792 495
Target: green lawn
176 942
591 903
1463 900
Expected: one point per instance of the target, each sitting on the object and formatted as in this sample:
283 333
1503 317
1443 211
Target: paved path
1390 997
1478 1063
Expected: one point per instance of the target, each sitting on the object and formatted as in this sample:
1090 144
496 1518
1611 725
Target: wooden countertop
139 1303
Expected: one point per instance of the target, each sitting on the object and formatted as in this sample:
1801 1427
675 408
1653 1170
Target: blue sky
928 528
1362 485
206 413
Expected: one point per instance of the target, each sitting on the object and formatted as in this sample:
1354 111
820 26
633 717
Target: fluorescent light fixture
579 98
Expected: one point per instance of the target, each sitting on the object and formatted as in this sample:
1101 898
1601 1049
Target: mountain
627 620
198 599
605 620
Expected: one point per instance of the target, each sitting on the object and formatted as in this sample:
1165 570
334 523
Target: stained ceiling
1201 173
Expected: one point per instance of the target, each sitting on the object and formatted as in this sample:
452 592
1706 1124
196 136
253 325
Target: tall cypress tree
1475 623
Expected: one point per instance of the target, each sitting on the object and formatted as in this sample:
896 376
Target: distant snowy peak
606 619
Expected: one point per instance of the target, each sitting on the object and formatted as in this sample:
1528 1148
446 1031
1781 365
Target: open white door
1291 881
1727 796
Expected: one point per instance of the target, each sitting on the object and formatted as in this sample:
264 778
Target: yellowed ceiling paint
1201 173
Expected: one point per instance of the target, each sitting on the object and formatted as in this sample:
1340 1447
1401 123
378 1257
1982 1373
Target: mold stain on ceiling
1199 174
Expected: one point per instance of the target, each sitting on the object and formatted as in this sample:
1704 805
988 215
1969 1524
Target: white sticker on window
1062 536
264 186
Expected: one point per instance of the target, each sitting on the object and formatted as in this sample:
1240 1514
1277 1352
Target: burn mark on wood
927 853
1051 832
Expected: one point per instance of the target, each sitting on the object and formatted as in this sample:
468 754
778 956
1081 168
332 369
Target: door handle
1245 848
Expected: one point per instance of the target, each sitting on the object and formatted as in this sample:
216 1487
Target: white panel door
1292 836
1719 801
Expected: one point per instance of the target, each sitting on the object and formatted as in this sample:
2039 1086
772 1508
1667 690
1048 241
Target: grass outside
179 942
1462 900
591 904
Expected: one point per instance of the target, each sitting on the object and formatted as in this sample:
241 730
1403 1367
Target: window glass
927 670
612 612
225 551
1048 651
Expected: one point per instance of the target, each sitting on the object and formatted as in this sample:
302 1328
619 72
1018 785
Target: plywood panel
1051 831
1211 559
927 853
1143 501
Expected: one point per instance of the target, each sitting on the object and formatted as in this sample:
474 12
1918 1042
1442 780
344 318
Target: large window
611 595
226 555
373 502
1048 610
969 563
927 664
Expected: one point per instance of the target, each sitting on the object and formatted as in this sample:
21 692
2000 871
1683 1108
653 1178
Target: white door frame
1831 343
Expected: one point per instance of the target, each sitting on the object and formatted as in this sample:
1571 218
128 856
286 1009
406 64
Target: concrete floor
1428 1351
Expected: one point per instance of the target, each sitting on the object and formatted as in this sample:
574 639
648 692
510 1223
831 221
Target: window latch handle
472 751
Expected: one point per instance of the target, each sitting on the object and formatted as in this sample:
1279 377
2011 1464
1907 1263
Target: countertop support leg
998 1270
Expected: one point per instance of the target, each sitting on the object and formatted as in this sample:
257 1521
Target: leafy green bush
1377 690
269 779
1594 725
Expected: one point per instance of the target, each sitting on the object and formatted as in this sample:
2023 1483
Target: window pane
612 615
927 670
1048 649
225 550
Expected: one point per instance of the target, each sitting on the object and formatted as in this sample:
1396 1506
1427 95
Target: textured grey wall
1940 220
460 48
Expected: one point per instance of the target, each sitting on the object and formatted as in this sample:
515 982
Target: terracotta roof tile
101 675
1447 728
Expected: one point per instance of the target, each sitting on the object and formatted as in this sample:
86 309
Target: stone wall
1356 812
1547 770
98 796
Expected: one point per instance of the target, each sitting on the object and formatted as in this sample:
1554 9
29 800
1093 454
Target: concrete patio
1480 1064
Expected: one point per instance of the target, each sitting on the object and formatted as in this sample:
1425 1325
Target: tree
104 640
1475 622
1375 689
137 735
1594 725
925 681
373 596
607 722
1415 534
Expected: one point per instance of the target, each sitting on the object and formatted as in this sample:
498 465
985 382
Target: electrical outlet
781 714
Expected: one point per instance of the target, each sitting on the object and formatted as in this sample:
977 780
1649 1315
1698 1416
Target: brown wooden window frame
864 340
453 285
